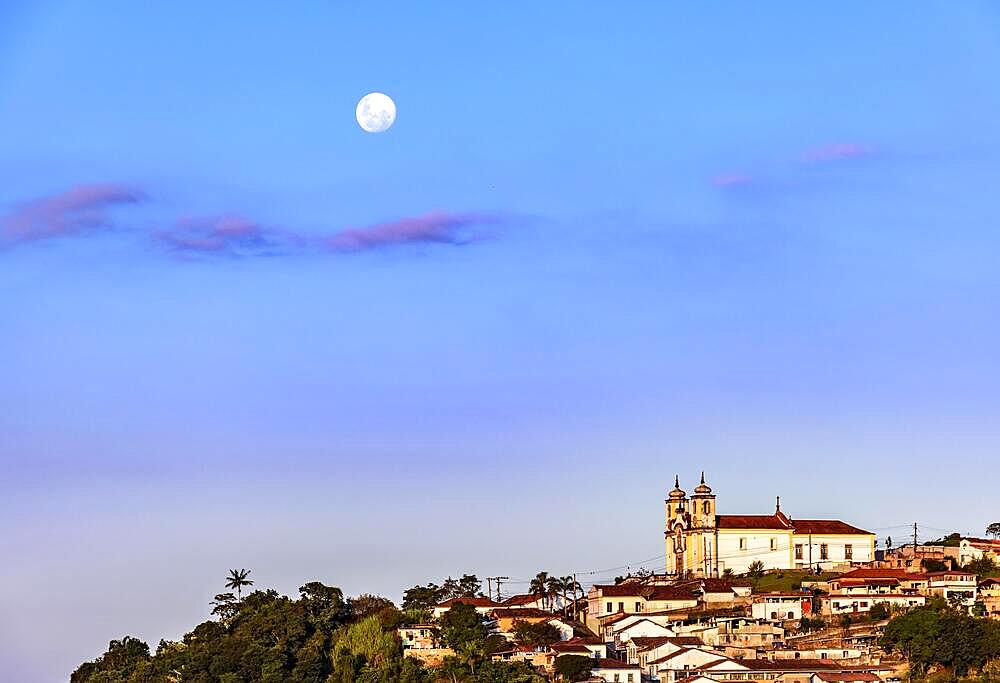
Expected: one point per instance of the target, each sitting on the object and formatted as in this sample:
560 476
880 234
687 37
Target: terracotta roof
568 647
581 640
826 526
613 664
619 591
685 640
645 592
523 613
724 585
644 642
846 676
750 522
866 573
781 664
475 602
519 600
952 572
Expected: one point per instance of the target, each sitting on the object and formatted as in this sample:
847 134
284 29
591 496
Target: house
970 549
860 590
641 649
679 665
418 636
700 542
637 598
953 585
615 671
588 647
779 607
744 633
989 595
505 619
483 605
784 670
844 677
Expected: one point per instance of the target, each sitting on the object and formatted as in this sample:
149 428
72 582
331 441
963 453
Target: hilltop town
742 597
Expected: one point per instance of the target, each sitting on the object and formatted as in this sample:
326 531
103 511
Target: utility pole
575 584
489 586
914 540
498 579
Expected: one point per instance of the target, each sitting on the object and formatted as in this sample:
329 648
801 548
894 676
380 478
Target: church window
848 551
621 606
798 551
774 544
706 507
609 609
743 544
824 551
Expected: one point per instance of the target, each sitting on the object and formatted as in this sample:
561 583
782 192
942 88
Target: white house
778 607
616 671
953 585
679 665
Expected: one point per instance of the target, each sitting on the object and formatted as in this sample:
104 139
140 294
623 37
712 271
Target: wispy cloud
438 227
223 236
836 152
731 180
78 210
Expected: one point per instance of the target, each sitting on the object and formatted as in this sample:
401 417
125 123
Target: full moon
376 112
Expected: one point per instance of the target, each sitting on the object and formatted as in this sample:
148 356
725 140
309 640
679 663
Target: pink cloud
731 180
439 227
836 152
222 235
80 209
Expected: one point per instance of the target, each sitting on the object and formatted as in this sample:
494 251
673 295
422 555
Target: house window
774 544
848 552
824 551
609 609
617 677
638 607
621 606
864 604
743 544
629 678
774 615
798 551
791 615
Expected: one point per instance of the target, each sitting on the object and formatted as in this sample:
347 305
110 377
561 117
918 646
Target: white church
700 542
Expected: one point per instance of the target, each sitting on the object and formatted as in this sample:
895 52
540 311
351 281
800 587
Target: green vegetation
939 636
790 580
984 567
993 529
321 637
535 635
574 667
425 597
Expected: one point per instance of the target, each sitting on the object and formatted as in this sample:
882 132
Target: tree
123 658
993 529
569 585
467 586
574 667
367 605
936 635
422 597
237 580
879 611
539 586
535 634
727 573
465 631
930 565
553 589
224 605
983 566
755 571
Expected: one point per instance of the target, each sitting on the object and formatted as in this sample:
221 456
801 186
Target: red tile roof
846 676
779 665
865 573
519 600
645 592
613 664
750 522
826 526
523 613
781 522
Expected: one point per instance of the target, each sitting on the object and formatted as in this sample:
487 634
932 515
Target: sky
600 246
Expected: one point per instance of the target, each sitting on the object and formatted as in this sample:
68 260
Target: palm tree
553 587
569 585
237 579
539 586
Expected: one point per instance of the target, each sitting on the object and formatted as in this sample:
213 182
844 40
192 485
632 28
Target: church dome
677 493
703 489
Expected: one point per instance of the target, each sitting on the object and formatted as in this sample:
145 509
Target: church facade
701 542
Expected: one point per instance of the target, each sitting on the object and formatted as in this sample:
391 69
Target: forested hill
320 637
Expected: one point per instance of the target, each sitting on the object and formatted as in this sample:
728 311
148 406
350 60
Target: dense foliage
321 637
574 667
937 635
535 634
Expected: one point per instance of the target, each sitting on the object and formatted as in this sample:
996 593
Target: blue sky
599 246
